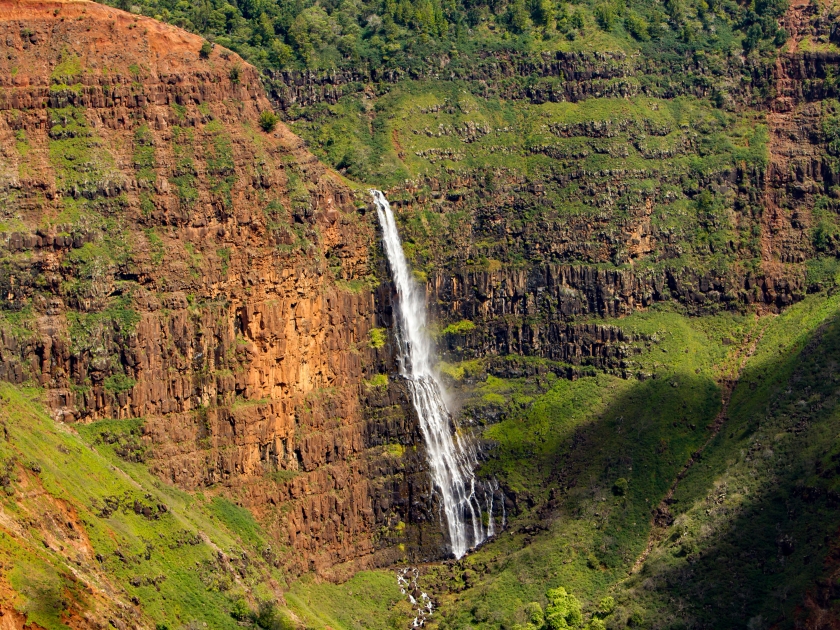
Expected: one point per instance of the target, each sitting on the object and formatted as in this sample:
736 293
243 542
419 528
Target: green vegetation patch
377 337
83 165
143 535
459 328
377 381
68 70
370 600
184 171
218 155
758 487
144 155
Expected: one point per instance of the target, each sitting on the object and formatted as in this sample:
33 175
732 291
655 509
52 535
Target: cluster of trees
545 17
758 22
305 33
564 610
321 34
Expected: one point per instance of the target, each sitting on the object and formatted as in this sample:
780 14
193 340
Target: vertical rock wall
164 257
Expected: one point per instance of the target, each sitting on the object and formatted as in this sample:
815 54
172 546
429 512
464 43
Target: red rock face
164 257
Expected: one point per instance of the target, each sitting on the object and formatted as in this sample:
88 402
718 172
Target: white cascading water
451 458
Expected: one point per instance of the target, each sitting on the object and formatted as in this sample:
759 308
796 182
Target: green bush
378 381
563 611
459 328
234 74
206 49
378 337
606 606
636 620
619 488
240 610
268 121
535 614
118 383
605 16
637 27
268 617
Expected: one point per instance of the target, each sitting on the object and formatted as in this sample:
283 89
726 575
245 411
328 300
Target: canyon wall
165 257
521 245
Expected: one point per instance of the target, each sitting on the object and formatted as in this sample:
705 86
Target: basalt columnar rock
165 257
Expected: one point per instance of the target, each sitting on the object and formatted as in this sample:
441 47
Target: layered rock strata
164 257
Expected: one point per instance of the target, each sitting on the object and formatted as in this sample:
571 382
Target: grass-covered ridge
89 529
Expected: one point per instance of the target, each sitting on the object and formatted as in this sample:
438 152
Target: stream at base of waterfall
451 456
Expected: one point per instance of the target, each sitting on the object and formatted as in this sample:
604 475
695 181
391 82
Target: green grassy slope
90 532
754 516
749 517
87 530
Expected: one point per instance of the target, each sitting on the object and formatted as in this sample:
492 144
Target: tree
268 617
535 614
606 606
206 49
605 16
279 53
753 37
564 611
637 27
517 17
544 13
263 31
311 31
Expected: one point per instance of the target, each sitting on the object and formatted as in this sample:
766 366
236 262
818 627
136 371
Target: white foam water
451 457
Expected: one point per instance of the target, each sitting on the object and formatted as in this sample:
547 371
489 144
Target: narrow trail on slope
662 517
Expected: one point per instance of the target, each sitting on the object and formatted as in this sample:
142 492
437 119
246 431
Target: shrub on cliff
378 337
268 121
619 488
269 617
118 383
459 328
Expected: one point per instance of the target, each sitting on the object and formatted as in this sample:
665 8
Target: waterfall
451 457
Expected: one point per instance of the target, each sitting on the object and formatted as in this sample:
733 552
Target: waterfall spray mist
451 460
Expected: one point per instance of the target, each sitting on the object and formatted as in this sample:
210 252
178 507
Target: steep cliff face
525 214
165 258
